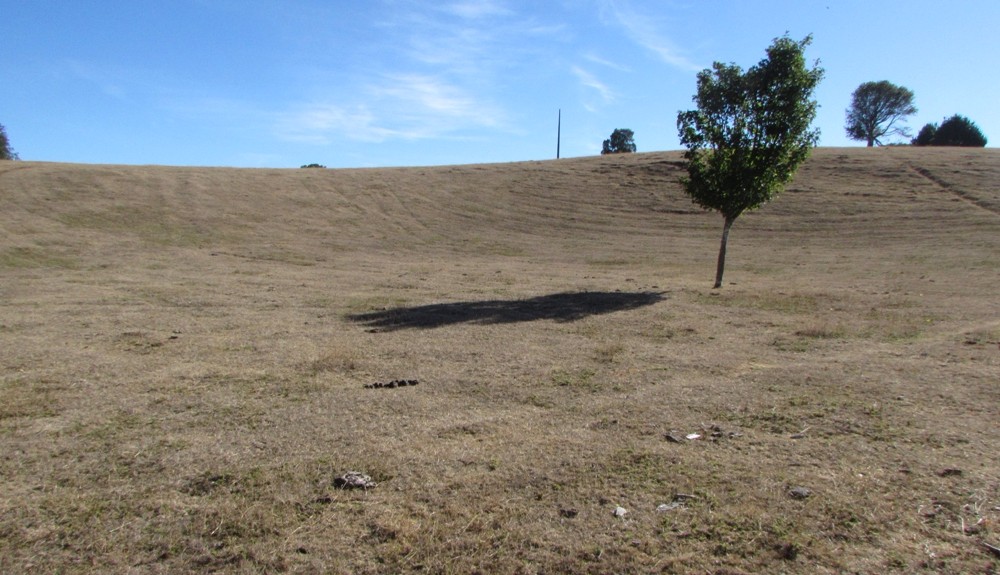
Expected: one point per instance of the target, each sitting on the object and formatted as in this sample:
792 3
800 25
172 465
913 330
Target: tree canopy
749 133
622 141
954 131
876 109
926 135
6 151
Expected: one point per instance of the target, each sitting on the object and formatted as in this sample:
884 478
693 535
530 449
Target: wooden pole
559 133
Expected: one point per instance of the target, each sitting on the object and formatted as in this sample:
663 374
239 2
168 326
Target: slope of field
187 358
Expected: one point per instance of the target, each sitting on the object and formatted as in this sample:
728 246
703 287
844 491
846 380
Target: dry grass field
186 360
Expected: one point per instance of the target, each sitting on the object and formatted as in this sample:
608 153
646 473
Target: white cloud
607 63
427 94
590 81
108 80
438 79
399 107
476 9
322 123
642 29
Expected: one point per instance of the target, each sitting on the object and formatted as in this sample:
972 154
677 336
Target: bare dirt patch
184 354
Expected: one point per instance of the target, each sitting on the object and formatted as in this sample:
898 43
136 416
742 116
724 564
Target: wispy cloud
607 63
470 38
590 81
107 80
644 31
321 123
430 96
438 81
476 9
407 107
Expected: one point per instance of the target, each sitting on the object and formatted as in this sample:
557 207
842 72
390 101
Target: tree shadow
560 307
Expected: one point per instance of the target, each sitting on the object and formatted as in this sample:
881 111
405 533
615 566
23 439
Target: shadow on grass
561 307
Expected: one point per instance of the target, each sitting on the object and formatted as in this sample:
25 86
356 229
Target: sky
375 83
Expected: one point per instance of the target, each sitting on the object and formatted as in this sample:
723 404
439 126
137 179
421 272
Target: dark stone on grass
392 384
354 480
800 492
568 513
788 551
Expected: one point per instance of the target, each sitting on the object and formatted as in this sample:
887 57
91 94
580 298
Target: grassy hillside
187 358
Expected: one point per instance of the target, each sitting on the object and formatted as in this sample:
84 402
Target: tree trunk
722 252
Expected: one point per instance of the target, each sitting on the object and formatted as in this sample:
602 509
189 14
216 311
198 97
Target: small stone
568 513
672 437
800 492
950 472
354 480
620 511
692 436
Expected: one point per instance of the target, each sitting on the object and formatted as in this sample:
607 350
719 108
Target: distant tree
750 132
959 131
926 135
621 142
875 109
954 131
6 151
313 166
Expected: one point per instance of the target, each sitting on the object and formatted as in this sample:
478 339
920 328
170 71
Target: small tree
959 131
750 132
875 109
6 151
620 142
954 131
926 135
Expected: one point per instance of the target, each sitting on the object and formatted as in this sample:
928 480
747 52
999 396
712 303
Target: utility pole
559 133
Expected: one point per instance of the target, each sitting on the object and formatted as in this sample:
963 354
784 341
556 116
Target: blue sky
281 83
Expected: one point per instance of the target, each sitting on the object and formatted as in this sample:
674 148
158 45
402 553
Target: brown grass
184 353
